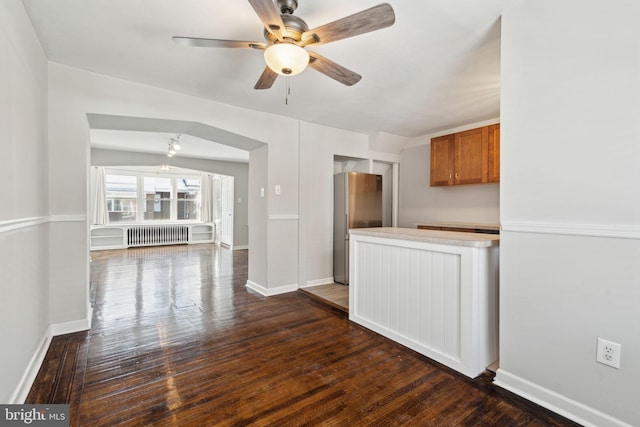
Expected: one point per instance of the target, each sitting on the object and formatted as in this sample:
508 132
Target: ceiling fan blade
375 18
266 79
333 70
270 17
196 42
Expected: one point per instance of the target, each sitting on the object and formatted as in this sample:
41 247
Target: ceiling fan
287 36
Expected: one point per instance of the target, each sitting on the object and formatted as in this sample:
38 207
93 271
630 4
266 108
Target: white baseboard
318 282
234 248
556 402
24 386
72 326
271 291
28 377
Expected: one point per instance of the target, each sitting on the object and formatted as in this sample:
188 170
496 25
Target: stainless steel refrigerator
357 204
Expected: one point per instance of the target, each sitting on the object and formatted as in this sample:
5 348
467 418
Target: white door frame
227 204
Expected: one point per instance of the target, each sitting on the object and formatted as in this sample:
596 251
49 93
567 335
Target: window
122 197
160 197
157 198
188 198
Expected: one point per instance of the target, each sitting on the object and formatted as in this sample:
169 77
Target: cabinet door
494 153
442 160
471 156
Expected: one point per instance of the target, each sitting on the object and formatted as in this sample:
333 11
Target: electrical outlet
608 353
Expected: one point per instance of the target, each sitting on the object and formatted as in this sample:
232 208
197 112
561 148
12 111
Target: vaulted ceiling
436 68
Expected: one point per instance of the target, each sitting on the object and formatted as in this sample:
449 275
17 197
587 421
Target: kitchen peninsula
435 292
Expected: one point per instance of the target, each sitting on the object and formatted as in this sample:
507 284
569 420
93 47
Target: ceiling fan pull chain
287 91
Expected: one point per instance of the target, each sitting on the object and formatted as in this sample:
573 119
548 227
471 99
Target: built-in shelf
103 237
202 233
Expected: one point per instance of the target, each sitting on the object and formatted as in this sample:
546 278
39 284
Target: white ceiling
436 68
158 143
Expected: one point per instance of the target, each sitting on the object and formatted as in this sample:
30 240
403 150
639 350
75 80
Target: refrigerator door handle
346 226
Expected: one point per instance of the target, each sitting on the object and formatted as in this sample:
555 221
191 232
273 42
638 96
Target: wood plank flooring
177 339
334 294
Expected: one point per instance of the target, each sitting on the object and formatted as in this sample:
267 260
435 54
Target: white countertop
462 225
455 238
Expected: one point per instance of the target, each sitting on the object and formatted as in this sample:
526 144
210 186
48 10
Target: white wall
24 210
290 144
77 93
258 214
240 172
420 203
68 190
318 146
299 159
283 220
386 170
570 206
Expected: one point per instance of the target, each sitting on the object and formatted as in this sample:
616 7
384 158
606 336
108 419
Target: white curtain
99 214
206 199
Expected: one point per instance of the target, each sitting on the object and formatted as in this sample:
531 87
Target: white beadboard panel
439 300
412 291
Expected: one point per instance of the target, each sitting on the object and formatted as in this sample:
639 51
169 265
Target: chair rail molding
20 223
585 230
68 218
283 217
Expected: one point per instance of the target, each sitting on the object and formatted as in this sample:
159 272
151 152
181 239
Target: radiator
152 235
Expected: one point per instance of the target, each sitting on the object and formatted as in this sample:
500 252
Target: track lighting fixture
174 145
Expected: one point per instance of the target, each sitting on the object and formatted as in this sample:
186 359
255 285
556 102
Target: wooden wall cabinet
442 160
469 157
494 153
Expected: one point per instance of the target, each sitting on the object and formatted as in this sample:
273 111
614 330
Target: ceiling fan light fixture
286 59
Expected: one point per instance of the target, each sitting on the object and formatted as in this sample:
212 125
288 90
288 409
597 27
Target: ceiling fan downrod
287 7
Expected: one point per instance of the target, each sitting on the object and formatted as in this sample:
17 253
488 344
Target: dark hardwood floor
177 339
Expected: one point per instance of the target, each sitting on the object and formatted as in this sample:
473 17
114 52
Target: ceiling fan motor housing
295 28
287 6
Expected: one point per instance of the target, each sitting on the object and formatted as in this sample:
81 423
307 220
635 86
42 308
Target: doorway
226 208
